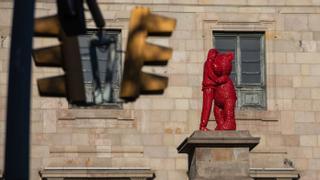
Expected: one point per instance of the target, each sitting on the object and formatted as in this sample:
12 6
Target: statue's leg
218 115
230 122
206 108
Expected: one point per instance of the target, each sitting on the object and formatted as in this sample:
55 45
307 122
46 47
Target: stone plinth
218 155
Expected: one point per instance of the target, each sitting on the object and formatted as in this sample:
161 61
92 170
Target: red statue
217 86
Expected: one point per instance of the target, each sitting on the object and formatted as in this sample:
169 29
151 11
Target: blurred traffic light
138 53
65 55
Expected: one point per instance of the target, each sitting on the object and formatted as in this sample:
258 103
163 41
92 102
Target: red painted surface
218 86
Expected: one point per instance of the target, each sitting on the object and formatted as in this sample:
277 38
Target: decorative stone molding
61 173
276 173
210 24
116 114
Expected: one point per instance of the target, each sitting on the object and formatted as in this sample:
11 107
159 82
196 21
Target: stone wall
147 132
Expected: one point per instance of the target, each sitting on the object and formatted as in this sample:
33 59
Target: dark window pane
84 51
86 65
88 78
250 67
250 60
250 78
250 56
226 43
249 43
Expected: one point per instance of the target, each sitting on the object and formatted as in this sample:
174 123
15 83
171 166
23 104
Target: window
101 63
248 73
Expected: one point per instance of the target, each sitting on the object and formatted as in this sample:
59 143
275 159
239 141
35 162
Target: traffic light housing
139 53
65 55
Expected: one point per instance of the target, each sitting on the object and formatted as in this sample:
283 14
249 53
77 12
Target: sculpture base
220 155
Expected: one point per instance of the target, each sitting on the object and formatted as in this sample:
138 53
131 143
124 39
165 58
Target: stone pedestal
218 155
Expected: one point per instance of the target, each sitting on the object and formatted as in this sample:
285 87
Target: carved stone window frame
211 23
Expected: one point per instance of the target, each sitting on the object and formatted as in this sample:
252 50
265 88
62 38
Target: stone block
308 46
297 22
303 116
179 115
313 22
163 103
131 139
175 127
49 121
143 103
177 175
314 70
307 36
302 105
291 140
316 105
300 152
159 115
182 104
179 92
302 93
168 140
285 93
307 58
287 122
155 151
178 80
309 140
274 140
152 139
39 151
194 68
80 139
181 164
288 69
162 164
307 128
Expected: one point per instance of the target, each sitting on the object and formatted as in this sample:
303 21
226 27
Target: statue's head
223 64
212 54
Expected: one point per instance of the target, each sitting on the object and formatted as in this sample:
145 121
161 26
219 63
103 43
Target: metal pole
18 102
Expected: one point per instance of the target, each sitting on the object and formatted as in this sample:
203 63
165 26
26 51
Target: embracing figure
218 86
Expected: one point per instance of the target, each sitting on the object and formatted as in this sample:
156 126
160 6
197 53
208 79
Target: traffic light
139 52
65 55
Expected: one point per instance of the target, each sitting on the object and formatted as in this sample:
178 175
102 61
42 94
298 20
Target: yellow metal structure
139 52
66 55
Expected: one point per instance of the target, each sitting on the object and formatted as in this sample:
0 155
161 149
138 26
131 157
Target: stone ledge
73 114
289 173
218 139
97 172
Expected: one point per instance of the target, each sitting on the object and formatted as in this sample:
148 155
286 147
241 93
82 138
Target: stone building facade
145 134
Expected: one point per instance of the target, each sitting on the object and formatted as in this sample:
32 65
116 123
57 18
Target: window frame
243 88
112 105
